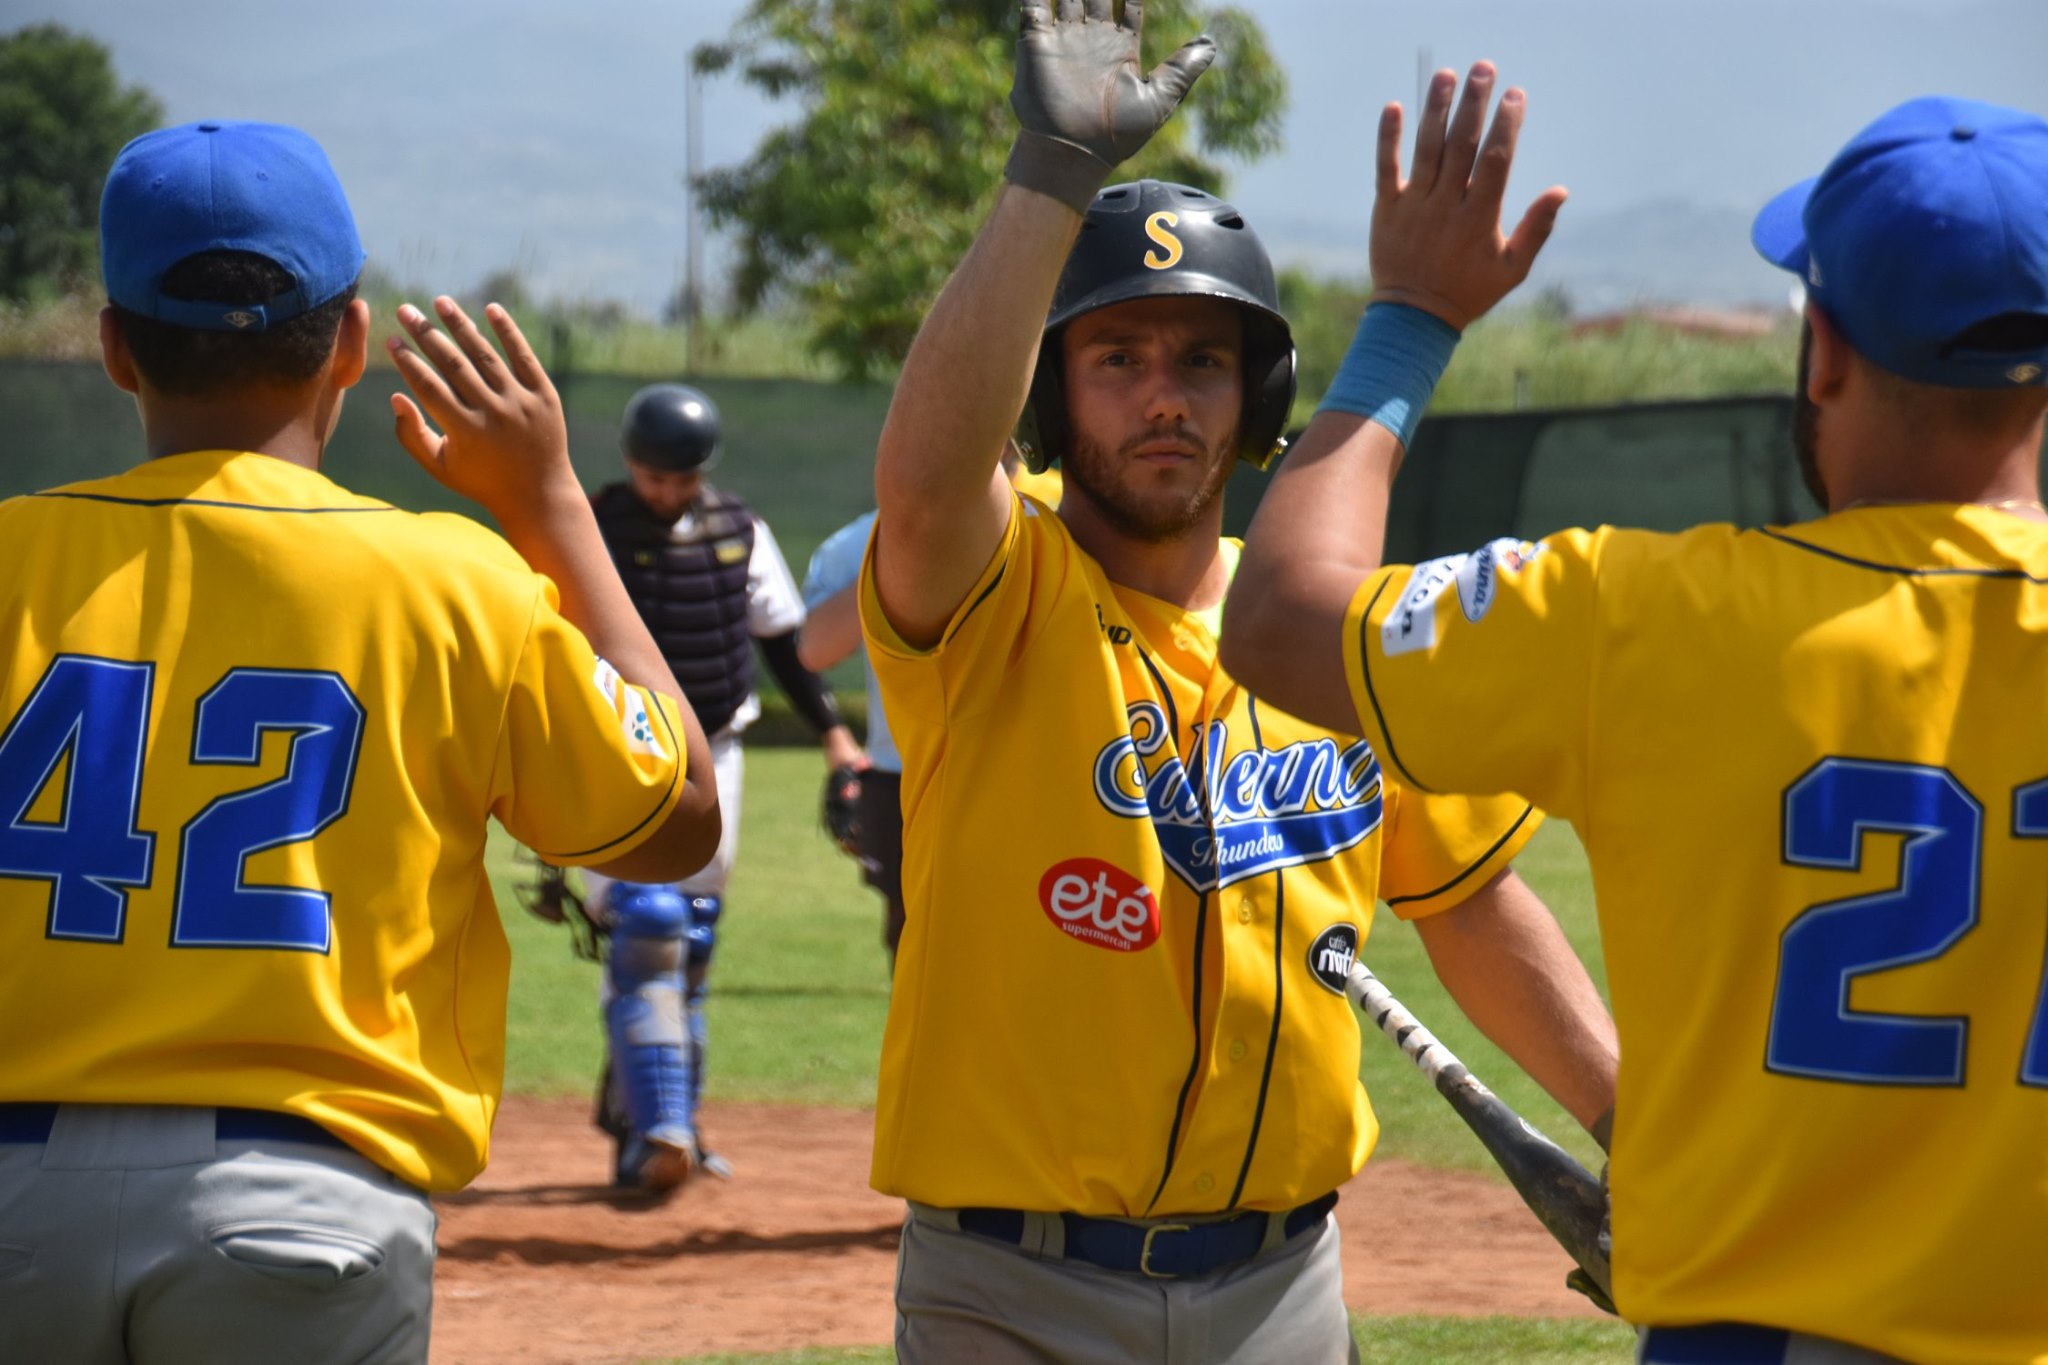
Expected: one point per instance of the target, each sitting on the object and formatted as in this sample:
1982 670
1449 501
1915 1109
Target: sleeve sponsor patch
630 707
1476 579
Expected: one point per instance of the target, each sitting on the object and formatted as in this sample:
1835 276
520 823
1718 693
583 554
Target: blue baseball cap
225 186
1932 220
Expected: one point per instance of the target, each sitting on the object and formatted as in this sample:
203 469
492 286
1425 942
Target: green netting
803 454
1663 466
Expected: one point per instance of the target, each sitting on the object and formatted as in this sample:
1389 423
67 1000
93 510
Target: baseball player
1808 762
1119 1079
710 582
831 631
251 729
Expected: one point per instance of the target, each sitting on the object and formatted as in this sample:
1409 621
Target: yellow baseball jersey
1811 774
250 729
1135 891
1048 485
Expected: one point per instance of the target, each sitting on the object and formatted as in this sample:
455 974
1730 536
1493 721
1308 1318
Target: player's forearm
1317 535
842 750
1321 528
1503 959
557 535
943 500
831 630
560 538
807 692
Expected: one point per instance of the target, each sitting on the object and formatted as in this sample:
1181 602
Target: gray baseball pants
965 1298
135 1236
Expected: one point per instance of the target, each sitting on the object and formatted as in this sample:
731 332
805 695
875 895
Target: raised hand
1081 102
502 441
1436 237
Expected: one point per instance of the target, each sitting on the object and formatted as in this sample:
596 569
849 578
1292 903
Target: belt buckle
1145 1252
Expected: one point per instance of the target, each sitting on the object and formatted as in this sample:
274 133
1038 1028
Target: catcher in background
1119 1082
1809 763
253 728
863 807
709 580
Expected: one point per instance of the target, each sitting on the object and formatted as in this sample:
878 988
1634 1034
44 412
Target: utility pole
693 226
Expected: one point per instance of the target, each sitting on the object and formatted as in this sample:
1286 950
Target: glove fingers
1036 18
1173 77
1100 9
1070 11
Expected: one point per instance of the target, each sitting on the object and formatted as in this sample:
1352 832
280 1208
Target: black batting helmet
671 427
1150 239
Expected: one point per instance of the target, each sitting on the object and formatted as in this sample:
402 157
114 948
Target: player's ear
352 344
1829 359
115 357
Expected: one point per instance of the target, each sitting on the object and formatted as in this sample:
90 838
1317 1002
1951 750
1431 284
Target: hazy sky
475 134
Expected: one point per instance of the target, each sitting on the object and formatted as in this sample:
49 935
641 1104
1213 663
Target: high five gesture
1436 236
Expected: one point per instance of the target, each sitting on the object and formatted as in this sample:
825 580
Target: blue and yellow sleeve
1472 674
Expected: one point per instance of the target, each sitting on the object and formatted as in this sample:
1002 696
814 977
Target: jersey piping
659 806
1180 1105
1477 863
206 502
1946 571
993 583
1251 1145
1365 666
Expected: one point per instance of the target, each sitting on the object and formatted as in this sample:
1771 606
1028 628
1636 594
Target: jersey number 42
95 713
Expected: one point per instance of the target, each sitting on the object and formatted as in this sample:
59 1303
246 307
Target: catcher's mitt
544 890
839 812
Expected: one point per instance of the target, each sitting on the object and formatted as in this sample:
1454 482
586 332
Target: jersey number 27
95 714
1827 813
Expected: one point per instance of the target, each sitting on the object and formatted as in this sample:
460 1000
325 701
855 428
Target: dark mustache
1177 432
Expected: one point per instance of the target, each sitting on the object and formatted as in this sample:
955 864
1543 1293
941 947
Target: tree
863 205
63 116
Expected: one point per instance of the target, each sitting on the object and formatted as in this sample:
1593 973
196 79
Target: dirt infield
542 1262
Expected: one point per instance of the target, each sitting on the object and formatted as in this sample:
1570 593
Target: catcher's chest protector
689 583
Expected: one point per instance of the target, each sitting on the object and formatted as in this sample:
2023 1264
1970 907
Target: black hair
2006 332
192 363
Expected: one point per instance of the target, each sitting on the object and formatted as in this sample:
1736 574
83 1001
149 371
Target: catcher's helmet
1150 239
672 427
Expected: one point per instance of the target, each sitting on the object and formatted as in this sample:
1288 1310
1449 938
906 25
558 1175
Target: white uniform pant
728 763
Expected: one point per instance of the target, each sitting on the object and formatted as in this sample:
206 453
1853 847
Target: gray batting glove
1081 104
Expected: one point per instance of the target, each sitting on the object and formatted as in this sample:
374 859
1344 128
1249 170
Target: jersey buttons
1244 910
1237 1049
1204 1183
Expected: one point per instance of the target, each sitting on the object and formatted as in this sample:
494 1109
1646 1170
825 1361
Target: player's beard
1151 516
1806 423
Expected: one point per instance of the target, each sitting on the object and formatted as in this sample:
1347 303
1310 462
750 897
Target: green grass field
800 992
1381 1341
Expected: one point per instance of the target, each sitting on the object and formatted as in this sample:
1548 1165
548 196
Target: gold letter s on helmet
1156 228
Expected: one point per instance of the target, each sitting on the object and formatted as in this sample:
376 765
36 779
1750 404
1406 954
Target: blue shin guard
650 1045
703 939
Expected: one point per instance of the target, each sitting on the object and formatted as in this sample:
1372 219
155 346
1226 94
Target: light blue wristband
1392 367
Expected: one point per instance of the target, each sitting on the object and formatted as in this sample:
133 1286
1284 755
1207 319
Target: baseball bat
1565 1197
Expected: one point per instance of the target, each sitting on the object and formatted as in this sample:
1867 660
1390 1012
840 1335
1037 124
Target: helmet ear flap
1042 429
1268 400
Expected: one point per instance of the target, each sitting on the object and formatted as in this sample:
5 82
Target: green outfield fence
802 453
1662 466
